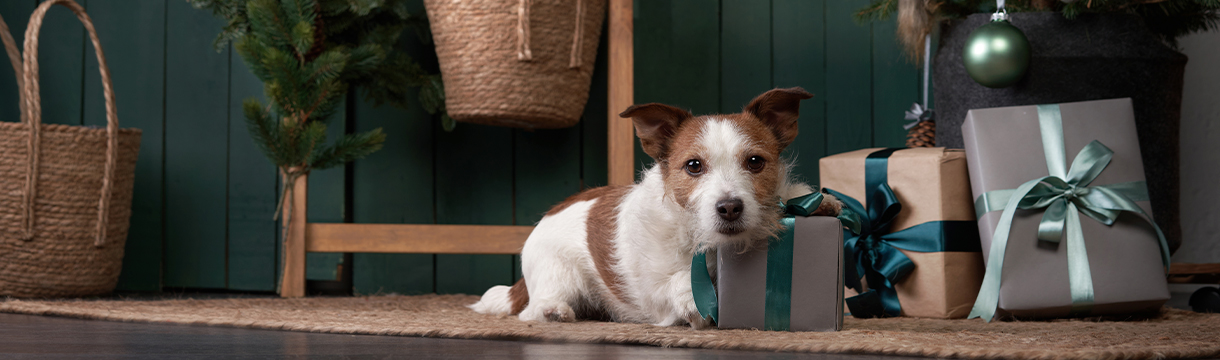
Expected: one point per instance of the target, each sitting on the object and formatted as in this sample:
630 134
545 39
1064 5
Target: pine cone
922 135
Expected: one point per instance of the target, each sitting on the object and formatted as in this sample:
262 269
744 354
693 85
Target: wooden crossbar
415 239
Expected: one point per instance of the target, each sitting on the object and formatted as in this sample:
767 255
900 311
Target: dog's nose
729 209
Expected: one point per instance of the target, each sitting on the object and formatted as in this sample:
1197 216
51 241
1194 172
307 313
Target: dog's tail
503 300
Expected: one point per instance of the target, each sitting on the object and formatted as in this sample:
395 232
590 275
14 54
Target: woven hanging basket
516 63
65 191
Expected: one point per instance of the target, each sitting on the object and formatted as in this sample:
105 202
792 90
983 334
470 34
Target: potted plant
309 54
1079 50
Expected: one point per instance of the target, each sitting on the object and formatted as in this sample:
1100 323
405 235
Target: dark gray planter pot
1092 57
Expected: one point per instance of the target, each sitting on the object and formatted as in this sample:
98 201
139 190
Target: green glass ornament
996 54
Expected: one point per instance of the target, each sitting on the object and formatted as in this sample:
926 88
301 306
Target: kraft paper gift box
1073 168
795 283
933 227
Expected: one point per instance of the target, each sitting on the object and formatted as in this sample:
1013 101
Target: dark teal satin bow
1063 195
870 252
778 305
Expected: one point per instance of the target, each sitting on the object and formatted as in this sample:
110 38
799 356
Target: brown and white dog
624 252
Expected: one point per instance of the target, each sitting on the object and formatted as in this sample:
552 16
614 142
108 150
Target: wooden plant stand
305 237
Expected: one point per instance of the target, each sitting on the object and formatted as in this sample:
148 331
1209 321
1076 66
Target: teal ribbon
871 249
778 306
1064 195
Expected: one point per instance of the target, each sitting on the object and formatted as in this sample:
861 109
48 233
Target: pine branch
351 147
877 10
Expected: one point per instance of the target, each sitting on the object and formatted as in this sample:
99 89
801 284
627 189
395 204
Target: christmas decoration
1167 19
997 54
923 134
917 246
1072 170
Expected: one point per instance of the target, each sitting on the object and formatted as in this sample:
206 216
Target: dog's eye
756 163
694 167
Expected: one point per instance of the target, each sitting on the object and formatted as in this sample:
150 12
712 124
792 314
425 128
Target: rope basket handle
32 102
14 57
523 33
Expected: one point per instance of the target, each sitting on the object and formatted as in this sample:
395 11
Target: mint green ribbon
778 306
1064 195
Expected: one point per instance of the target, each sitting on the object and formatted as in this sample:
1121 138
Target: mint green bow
1064 194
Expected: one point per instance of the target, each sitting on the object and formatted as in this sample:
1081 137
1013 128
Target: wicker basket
63 234
517 63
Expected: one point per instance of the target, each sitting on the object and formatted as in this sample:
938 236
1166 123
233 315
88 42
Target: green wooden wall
716 55
205 195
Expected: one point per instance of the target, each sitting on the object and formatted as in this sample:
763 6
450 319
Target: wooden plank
16 14
895 85
678 52
621 92
547 171
327 195
253 250
395 185
415 238
133 35
799 55
61 61
196 146
462 197
1191 269
745 52
594 137
292 284
849 73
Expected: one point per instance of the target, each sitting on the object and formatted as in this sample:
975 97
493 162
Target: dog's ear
779 109
655 124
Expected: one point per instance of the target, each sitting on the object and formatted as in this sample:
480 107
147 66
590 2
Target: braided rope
33 117
523 31
574 60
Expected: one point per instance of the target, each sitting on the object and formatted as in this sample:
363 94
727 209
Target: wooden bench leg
293 278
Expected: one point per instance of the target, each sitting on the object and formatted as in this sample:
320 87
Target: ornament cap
1001 15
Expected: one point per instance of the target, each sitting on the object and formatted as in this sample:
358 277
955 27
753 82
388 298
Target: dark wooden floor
41 337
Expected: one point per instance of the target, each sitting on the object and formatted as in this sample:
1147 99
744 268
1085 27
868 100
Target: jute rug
1171 334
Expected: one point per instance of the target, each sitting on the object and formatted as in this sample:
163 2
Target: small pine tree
308 54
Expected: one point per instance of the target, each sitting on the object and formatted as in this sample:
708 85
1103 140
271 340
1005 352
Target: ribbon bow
1063 195
871 252
779 277
918 113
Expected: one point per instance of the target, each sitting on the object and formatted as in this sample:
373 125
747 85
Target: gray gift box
1004 148
817 280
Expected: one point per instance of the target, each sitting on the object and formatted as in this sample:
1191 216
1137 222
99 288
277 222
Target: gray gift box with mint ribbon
1064 213
793 283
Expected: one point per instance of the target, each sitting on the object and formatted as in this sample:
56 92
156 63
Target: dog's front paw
697 321
548 311
830 206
